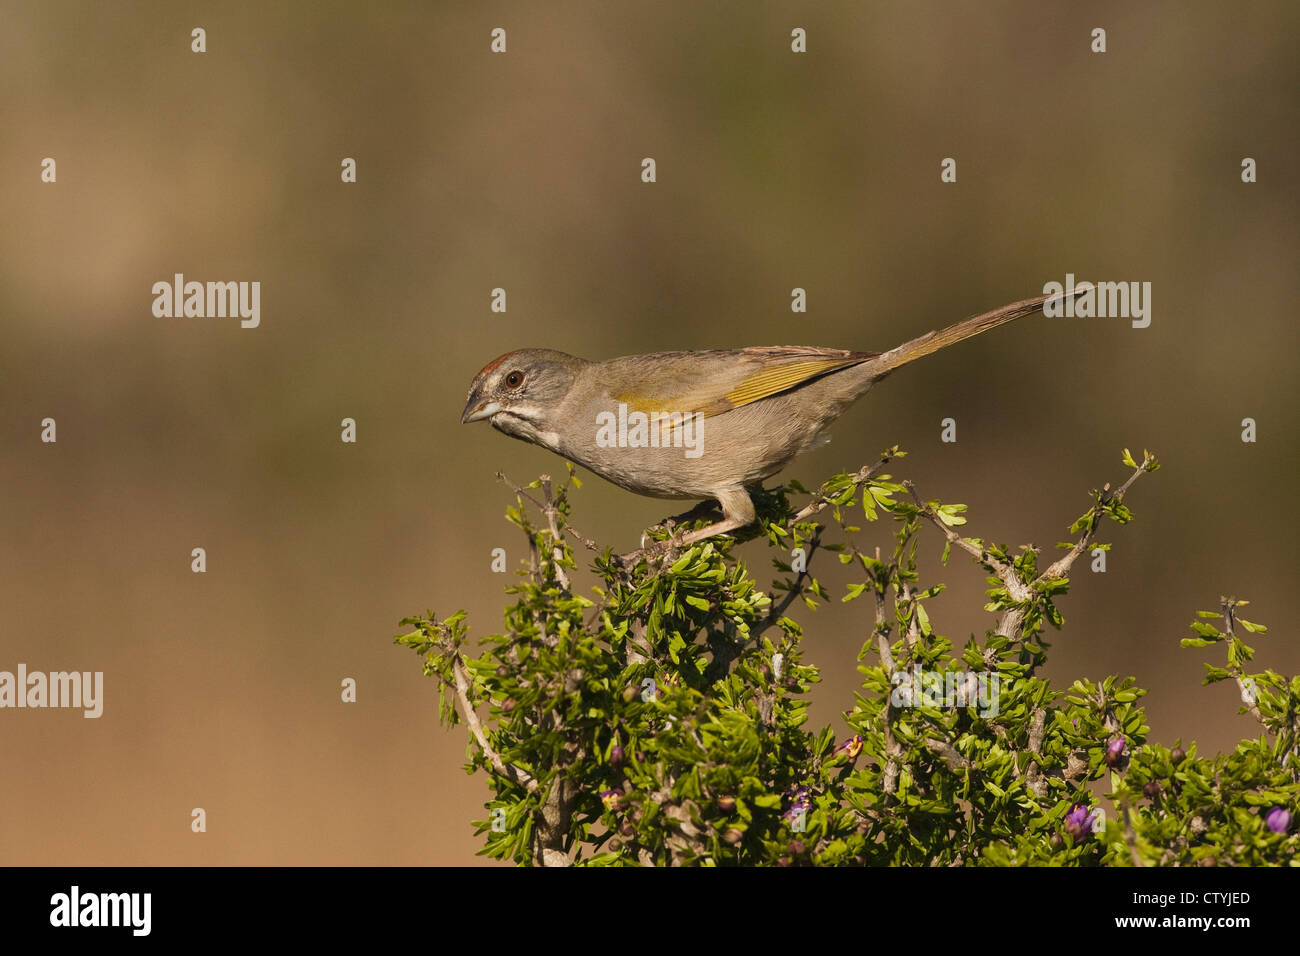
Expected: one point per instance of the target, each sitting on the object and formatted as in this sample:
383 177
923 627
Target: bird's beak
476 409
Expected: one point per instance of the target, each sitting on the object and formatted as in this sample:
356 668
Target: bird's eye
514 379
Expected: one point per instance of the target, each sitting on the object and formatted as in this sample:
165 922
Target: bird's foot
652 549
676 543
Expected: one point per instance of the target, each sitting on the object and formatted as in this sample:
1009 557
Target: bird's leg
708 531
699 511
737 512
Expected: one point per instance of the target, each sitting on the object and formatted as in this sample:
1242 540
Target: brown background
522 171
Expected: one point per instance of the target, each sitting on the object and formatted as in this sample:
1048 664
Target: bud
626 828
796 848
1278 820
726 804
507 705
503 671
1115 751
616 755
1177 755
1152 789
732 835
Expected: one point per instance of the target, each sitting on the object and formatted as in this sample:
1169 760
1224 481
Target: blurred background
522 171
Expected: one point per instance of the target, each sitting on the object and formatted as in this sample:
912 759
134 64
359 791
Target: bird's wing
710 383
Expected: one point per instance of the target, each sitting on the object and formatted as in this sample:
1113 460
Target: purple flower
852 747
613 799
1114 751
800 802
1079 821
1278 820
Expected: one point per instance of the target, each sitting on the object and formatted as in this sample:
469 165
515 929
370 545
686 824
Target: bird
702 424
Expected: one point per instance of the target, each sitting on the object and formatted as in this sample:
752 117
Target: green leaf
950 515
854 590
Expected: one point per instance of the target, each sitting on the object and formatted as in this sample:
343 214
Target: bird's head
520 392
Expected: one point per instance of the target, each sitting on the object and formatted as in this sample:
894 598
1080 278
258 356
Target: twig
521 777
1062 565
948 753
520 491
548 509
893 750
821 502
1019 591
1249 692
583 539
796 589
1034 781
1009 625
884 625
557 551
1005 572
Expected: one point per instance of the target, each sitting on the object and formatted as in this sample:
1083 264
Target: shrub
661 720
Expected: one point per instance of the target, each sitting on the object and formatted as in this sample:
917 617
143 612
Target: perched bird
702 424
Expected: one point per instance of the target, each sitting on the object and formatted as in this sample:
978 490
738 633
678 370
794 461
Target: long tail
934 341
